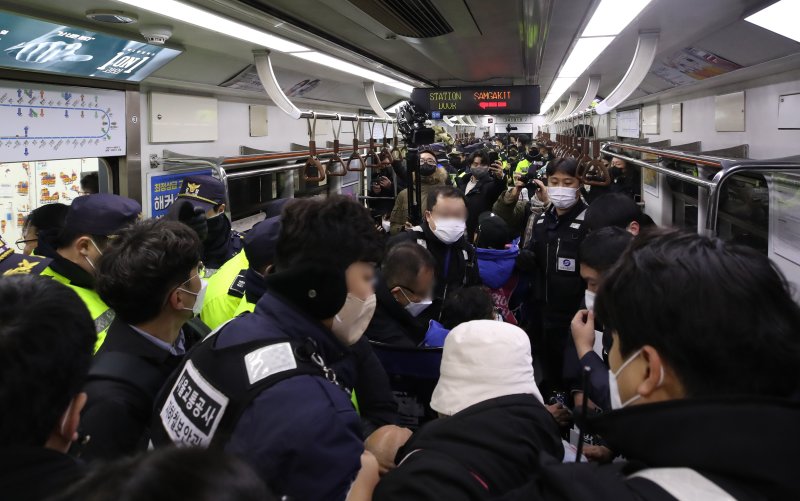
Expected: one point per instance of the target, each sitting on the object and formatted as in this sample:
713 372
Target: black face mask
426 170
615 171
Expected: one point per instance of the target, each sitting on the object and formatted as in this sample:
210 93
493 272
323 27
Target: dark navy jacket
302 435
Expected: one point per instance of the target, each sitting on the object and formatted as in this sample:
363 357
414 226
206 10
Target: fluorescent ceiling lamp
608 20
781 18
612 16
209 21
582 55
338 64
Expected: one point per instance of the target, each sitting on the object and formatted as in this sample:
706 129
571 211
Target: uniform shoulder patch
237 286
193 409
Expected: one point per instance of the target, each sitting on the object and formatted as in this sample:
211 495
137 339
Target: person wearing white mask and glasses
443 233
550 260
150 275
277 383
404 291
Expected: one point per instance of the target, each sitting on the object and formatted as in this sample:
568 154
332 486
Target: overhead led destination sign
486 100
35 45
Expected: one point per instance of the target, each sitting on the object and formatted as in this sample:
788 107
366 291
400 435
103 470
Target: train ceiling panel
441 42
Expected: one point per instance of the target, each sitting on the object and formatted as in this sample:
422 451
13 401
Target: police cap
203 191
261 241
101 214
12 263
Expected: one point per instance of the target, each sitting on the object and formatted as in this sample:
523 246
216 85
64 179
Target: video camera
411 122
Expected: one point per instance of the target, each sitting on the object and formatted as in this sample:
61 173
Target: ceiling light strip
609 19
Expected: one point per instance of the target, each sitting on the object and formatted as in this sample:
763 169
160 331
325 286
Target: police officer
207 194
90 221
12 263
551 258
260 244
225 297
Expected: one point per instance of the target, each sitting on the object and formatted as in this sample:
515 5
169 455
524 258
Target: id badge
566 264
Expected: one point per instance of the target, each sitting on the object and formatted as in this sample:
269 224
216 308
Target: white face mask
199 296
414 309
353 319
98 251
563 198
613 385
386 225
588 297
449 230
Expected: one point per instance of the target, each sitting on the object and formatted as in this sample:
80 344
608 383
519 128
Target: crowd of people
527 325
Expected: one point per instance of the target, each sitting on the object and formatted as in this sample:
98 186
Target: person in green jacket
90 221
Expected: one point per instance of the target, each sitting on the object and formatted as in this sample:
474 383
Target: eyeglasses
21 243
428 162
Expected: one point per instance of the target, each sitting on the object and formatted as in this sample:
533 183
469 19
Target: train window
743 214
24 186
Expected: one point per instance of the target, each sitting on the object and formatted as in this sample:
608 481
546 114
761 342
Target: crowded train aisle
406 250
490 351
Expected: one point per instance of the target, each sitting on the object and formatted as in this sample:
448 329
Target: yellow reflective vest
98 309
225 291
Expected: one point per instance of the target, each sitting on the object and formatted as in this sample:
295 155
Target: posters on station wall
690 65
25 186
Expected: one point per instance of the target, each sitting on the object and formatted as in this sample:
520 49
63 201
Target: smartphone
493 157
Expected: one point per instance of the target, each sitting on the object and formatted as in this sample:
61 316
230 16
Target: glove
526 261
191 216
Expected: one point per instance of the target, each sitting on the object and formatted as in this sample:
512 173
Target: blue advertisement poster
31 44
164 190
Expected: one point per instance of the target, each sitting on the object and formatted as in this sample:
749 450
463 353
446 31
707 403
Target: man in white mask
404 291
702 376
150 275
550 260
443 232
277 382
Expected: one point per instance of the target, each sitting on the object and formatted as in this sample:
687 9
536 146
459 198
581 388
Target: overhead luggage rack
722 169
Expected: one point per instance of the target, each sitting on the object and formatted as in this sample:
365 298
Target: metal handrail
658 168
705 160
732 168
727 169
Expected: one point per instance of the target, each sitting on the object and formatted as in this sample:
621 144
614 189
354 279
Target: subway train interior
688 110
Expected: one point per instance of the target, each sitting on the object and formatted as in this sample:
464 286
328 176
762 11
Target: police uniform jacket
76 278
554 246
301 434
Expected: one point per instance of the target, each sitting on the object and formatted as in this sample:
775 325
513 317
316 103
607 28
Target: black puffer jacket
481 452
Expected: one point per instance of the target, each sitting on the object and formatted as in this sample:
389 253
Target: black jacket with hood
746 446
481 452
